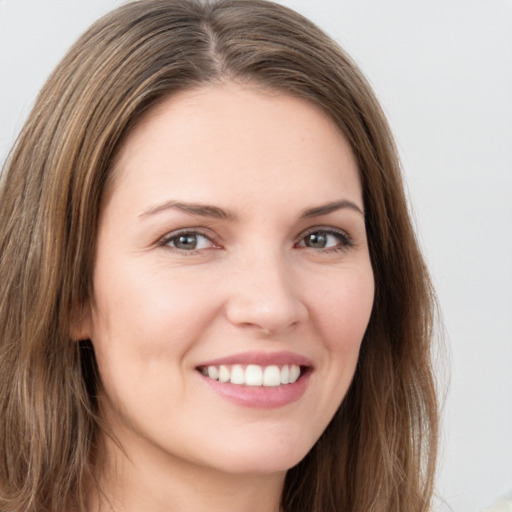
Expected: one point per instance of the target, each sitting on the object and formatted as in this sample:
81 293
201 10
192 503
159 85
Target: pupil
316 240
186 242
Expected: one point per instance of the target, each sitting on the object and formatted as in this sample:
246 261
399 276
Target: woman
213 296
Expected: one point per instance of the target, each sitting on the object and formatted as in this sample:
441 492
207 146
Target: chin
265 457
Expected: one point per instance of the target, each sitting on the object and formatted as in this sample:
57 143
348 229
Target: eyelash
345 241
167 239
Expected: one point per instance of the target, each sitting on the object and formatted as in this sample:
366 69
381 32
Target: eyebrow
329 208
202 210
205 210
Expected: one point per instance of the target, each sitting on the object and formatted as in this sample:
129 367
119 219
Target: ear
81 323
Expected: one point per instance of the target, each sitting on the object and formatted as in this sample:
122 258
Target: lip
260 358
260 397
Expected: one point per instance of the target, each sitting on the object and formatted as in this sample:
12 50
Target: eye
187 241
325 239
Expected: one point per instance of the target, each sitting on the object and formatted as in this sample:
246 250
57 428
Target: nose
263 295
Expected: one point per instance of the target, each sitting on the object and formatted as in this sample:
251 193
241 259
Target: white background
443 71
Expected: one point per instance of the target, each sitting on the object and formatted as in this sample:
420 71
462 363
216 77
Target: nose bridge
263 292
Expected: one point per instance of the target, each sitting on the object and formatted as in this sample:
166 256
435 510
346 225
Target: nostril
270 315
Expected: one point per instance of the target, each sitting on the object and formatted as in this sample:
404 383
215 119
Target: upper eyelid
333 229
163 240
326 229
214 238
346 241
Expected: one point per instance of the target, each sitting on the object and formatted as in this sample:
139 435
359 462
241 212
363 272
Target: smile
258 379
253 374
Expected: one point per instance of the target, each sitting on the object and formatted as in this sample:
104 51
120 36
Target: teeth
237 375
213 372
223 374
294 373
253 374
285 374
271 376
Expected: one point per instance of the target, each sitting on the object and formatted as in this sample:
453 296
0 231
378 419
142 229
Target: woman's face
231 256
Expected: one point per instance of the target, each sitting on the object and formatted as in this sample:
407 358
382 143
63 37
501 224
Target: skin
253 283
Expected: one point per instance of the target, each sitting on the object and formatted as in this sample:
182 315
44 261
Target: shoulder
502 504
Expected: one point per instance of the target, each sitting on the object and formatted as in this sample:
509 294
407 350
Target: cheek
143 328
340 311
146 298
343 310
147 317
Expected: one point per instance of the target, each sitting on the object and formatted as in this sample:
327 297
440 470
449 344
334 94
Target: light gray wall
443 71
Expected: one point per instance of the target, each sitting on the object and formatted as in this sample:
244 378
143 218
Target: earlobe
81 324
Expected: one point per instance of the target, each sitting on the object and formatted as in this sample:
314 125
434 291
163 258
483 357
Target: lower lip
260 397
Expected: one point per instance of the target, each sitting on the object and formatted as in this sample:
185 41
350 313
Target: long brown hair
378 453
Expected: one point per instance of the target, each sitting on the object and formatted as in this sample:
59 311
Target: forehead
262 140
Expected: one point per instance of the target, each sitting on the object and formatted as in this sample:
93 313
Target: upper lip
261 359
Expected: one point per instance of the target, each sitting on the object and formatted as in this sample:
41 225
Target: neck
155 482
